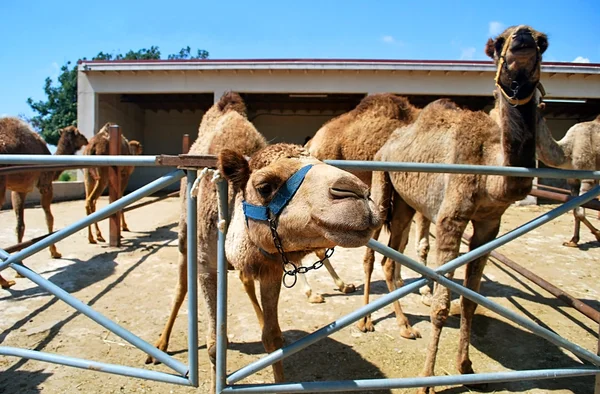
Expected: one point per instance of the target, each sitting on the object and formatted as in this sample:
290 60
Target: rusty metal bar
189 161
593 204
544 284
185 144
23 245
143 204
552 188
114 185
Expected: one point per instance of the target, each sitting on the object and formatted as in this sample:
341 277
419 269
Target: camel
17 137
96 179
579 149
358 135
451 201
330 207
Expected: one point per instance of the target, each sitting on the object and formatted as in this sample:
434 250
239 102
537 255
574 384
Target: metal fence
188 374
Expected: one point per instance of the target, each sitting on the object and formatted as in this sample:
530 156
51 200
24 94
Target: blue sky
37 37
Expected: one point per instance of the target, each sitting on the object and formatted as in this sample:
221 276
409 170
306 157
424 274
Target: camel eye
499 44
264 189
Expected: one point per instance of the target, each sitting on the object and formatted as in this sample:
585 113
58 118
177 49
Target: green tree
59 109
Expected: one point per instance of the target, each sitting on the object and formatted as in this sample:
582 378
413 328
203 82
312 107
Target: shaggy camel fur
331 207
454 136
358 135
96 179
579 149
17 137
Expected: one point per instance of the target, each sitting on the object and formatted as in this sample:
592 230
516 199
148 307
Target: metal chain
295 270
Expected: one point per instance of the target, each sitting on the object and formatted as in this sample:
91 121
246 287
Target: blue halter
281 199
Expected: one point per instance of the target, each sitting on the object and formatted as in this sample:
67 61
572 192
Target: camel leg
272 338
313 296
5 284
450 225
46 200
248 283
399 232
342 286
90 205
586 186
483 232
18 203
366 324
124 180
575 187
422 247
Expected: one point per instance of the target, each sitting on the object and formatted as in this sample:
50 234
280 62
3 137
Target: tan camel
331 207
96 179
442 135
579 149
17 137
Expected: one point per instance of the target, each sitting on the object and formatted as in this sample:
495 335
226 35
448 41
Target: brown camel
17 137
358 135
579 149
331 207
442 135
96 179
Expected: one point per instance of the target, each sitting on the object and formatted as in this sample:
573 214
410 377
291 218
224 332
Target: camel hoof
426 390
365 325
19 276
409 332
100 238
8 284
125 228
315 298
570 244
56 255
92 241
348 289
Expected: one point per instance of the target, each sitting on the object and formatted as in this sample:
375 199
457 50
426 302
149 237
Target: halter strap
512 100
283 196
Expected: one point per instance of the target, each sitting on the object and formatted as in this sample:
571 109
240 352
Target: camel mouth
523 43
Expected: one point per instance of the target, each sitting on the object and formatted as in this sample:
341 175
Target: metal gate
188 374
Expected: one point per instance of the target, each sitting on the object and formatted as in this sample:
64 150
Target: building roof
322 64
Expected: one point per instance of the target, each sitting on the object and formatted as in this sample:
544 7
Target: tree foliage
59 109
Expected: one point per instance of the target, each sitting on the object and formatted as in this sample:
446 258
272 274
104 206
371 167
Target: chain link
295 270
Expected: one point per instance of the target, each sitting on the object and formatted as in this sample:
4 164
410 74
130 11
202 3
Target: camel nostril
348 187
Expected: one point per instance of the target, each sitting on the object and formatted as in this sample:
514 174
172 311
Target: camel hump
231 101
386 104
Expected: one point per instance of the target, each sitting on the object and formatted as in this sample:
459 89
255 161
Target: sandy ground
133 285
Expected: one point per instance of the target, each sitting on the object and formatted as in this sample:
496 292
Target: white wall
288 126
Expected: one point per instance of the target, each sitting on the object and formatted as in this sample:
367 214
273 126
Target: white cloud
496 28
388 39
3 115
581 59
467 53
55 70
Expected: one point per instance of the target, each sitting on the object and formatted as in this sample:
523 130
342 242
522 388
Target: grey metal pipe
400 383
221 356
94 365
103 213
481 300
192 279
102 320
462 169
389 298
121 160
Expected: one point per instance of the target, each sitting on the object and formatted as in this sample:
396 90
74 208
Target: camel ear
490 48
542 43
234 167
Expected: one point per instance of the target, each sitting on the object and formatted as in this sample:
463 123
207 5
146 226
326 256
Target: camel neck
549 151
518 125
65 147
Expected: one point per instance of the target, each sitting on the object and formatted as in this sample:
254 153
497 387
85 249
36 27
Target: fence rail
188 374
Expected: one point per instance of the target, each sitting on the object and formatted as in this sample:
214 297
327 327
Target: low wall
63 191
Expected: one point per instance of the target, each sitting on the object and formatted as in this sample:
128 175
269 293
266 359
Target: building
158 101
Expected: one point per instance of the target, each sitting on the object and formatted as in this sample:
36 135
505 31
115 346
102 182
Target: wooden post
114 185
597 385
185 144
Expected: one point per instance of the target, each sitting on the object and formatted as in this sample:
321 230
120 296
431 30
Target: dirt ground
133 285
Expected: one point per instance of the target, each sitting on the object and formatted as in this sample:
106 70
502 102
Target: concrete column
218 93
87 110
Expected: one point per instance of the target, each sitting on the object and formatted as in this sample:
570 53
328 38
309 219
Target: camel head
517 53
72 138
315 205
135 147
